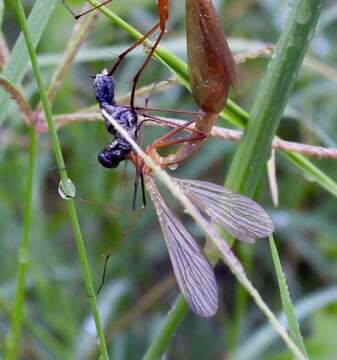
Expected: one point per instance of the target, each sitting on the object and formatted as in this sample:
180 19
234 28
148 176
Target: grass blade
13 337
64 177
253 150
172 321
18 63
293 325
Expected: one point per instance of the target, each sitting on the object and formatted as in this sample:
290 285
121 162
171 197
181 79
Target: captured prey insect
118 149
240 216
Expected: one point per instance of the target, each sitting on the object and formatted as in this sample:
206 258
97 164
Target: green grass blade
18 63
64 177
293 325
253 150
13 337
172 321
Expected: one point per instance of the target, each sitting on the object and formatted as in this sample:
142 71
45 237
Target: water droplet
173 167
66 189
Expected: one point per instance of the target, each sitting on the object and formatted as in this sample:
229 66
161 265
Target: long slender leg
141 69
135 45
135 190
173 132
163 16
77 16
143 188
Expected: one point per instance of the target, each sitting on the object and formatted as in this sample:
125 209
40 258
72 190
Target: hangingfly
240 216
212 72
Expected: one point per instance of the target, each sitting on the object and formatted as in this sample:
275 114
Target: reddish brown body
212 73
211 64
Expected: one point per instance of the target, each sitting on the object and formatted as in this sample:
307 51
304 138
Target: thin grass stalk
241 297
18 63
64 177
13 336
81 31
288 307
256 346
90 115
224 250
172 321
38 332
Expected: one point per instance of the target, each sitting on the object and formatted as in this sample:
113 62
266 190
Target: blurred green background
139 288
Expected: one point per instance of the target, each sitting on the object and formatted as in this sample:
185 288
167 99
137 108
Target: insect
212 73
240 216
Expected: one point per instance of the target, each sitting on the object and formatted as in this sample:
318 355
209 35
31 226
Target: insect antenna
124 234
103 274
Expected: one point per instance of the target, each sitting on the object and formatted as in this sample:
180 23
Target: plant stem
253 150
173 319
64 177
13 336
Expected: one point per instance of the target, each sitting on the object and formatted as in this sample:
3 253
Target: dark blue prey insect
118 149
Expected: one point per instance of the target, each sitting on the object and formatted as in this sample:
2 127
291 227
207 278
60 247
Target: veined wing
242 217
193 272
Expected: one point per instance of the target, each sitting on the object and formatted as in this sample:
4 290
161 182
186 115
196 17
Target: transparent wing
242 217
194 274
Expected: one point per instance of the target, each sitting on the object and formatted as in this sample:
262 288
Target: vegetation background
140 288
